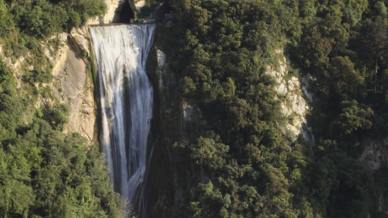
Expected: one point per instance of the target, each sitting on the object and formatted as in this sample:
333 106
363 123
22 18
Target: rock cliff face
289 91
73 86
72 82
72 72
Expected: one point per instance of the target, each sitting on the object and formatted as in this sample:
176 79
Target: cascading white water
126 101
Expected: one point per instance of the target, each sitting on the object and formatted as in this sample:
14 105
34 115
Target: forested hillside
345 50
220 149
44 172
234 160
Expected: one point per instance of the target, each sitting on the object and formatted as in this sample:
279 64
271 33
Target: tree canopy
241 164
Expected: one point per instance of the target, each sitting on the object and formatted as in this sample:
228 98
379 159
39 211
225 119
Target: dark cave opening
124 13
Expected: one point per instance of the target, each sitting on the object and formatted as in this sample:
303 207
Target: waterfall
126 97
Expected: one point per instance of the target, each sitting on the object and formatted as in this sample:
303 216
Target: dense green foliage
44 17
236 162
345 49
25 23
44 172
233 160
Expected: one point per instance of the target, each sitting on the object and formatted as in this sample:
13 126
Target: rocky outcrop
73 83
74 87
375 154
139 4
289 91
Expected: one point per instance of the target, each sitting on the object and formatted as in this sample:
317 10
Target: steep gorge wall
72 71
73 86
72 83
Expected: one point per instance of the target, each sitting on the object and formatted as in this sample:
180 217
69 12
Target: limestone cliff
73 86
290 93
72 71
69 59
